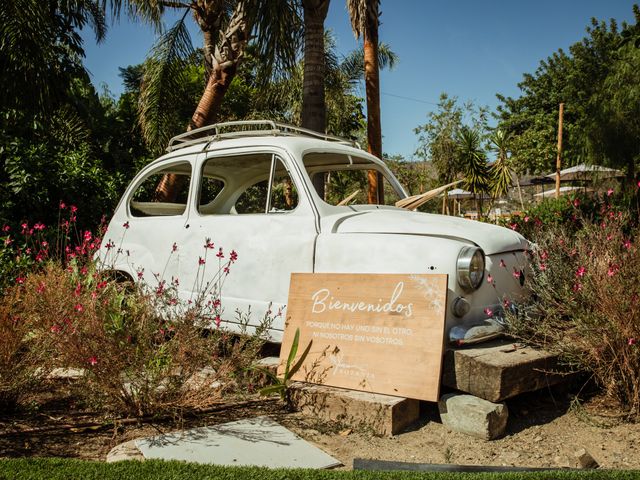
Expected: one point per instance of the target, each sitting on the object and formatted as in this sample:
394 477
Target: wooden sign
380 333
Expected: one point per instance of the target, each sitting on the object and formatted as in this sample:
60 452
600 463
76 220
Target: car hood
491 238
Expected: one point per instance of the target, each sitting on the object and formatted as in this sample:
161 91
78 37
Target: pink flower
174 247
20 280
488 312
506 303
201 261
581 271
233 256
627 244
543 267
93 360
208 243
631 341
576 203
8 241
513 226
613 269
56 329
126 224
489 279
609 192
577 287
63 205
41 287
503 264
39 226
6 228
526 219
220 254
516 274
217 320
73 208
79 308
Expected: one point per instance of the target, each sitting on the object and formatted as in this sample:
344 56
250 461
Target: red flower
613 269
506 303
576 203
516 273
126 224
581 271
201 261
627 244
20 280
56 329
41 287
174 247
631 341
208 243
140 274
73 208
63 205
39 226
6 228
488 312
543 267
217 320
93 360
233 256
220 254
79 308
609 192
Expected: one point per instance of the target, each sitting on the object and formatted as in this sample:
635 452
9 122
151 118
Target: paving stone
381 414
125 451
473 416
256 441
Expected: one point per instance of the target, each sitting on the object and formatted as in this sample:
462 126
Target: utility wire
408 98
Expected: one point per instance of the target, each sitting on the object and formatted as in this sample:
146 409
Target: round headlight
470 267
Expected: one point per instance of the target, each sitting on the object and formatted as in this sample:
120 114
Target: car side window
251 183
163 192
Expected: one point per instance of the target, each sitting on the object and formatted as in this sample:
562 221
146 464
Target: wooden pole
559 159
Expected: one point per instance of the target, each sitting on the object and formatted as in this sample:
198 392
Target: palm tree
364 16
41 51
502 171
473 160
227 27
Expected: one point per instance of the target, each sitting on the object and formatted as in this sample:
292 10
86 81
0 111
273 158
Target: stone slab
382 414
497 370
124 451
257 441
473 416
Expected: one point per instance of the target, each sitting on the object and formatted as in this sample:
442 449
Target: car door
250 204
157 220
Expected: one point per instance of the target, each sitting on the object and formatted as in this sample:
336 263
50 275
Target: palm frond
163 85
353 64
277 30
149 11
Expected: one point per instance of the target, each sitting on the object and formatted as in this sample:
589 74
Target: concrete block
382 414
125 451
473 416
585 460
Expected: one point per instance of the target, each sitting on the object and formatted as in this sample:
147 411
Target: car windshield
345 179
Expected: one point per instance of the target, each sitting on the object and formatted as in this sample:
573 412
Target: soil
545 429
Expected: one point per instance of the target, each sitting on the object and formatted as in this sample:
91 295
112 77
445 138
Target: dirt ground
545 429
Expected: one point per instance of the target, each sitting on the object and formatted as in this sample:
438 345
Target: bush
586 308
142 351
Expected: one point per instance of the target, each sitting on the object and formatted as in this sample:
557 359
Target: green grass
55 468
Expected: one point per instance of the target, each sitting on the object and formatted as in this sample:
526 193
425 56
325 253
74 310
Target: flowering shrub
142 350
570 212
586 305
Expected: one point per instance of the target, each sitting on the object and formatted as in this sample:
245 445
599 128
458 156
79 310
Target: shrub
141 349
586 308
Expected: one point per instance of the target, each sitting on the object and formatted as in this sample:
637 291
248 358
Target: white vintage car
248 186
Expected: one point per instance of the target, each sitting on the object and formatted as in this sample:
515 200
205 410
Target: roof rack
247 128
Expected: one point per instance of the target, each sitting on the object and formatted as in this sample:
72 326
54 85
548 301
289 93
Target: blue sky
467 48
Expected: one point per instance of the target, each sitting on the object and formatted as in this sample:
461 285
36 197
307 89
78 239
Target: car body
252 191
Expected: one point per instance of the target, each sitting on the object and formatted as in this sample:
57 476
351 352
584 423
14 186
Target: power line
408 98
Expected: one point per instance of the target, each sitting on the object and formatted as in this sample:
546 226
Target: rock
585 460
125 451
473 416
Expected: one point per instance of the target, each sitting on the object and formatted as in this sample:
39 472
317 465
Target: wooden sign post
376 333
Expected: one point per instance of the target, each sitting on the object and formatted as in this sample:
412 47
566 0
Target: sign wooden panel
379 333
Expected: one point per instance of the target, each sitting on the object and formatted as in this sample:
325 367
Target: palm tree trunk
375 193
225 61
314 109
